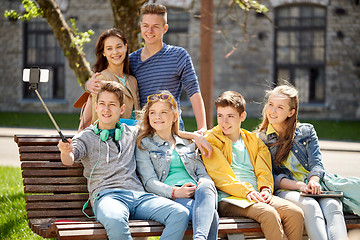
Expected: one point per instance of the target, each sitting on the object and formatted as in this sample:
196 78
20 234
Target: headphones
104 133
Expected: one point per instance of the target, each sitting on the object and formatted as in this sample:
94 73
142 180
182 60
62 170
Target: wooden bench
55 194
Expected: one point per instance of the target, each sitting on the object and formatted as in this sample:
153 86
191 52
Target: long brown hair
286 137
145 127
101 61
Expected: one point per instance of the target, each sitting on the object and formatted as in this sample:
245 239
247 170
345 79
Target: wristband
266 189
173 194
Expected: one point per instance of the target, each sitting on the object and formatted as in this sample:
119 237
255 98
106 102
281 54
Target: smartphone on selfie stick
34 75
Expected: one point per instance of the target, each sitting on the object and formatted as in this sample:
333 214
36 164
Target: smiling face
229 121
278 110
153 28
108 109
162 117
114 51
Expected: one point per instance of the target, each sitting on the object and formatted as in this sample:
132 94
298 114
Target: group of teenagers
141 164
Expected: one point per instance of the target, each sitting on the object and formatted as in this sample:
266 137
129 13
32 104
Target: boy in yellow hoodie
240 166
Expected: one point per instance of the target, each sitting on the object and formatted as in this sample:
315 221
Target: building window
300 49
178 21
41 49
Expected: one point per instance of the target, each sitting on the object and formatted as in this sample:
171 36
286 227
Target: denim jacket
305 148
153 163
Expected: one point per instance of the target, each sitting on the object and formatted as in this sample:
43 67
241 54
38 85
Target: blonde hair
145 127
154 8
232 99
286 137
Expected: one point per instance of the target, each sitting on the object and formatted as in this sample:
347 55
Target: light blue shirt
241 166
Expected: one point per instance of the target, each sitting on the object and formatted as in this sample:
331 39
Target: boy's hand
185 191
93 84
255 196
65 147
267 195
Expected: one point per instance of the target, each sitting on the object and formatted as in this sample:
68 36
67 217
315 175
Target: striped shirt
169 69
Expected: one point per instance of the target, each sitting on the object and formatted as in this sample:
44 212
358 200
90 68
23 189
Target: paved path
342 158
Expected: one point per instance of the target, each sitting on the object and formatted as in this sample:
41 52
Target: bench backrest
53 190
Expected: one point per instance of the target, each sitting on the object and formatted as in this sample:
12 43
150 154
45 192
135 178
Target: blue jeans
114 207
324 218
203 214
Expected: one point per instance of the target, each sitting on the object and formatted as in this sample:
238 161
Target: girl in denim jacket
170 167
297 166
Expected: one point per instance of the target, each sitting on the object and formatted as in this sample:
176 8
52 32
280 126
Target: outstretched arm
203 145
199 112
67 152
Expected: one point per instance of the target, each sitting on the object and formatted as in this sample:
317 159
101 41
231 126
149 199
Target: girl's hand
93 84
266 195
185 191
201 131
203 145
313 187
255 196
302 187
65 147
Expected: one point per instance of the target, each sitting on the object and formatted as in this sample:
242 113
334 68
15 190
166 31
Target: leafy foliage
252 4
31 8
80 38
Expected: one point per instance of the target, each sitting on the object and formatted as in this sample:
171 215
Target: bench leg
236 236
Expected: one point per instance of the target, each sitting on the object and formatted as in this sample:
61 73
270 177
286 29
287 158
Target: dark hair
145 127
113 87
286 137
101 61
154 8
232 99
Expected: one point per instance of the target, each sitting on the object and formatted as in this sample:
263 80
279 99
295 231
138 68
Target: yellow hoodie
218 165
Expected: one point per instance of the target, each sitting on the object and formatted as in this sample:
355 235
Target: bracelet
173 194
267 189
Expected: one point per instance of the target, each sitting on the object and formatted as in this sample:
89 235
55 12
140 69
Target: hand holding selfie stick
34 79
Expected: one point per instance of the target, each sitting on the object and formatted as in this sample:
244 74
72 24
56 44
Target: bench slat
39 156
55 181
82 234
63 213
39 149
56 197
55 205
77 172
48 164
37 140
55 189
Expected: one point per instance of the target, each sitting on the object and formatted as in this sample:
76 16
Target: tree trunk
55 19
126 18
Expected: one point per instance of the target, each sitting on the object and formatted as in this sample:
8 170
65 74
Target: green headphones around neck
104 133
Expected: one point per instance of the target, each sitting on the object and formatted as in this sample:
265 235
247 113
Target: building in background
314 44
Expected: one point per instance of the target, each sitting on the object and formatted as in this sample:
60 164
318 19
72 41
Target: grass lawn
13 221
326 129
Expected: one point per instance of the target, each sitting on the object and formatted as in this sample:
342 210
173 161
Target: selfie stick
34 81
